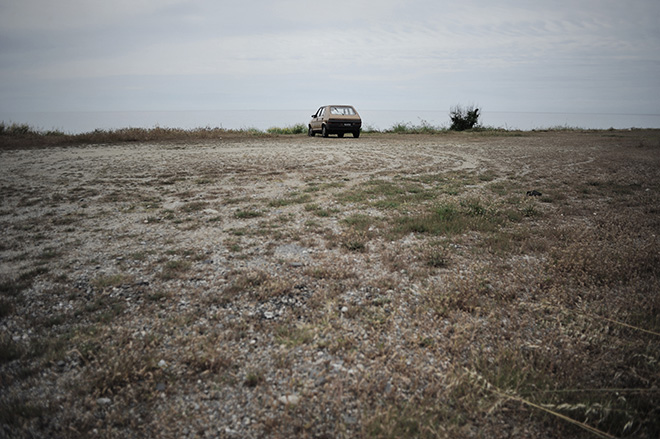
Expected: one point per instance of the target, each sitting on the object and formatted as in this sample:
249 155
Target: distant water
80 122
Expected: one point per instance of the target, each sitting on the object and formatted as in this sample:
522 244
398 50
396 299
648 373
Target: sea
81 122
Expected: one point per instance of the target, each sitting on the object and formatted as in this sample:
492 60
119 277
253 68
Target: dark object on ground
463 118
533 193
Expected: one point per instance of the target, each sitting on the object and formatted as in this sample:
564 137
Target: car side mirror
313 115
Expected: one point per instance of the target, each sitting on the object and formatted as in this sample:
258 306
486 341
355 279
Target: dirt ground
286 286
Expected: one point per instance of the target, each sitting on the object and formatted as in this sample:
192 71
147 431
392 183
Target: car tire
310 132
324 131
356 134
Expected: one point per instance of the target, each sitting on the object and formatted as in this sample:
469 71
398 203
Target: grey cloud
140 53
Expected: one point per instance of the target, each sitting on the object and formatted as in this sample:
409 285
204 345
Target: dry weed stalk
485 384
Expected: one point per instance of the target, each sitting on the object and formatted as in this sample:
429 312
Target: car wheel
340 135
356 134
310 132
324 131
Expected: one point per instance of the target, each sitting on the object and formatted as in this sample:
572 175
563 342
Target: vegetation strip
499 392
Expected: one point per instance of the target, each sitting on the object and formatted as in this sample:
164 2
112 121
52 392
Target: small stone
269 315
104 401
350 420
338 367
344 309
160 387
162 364
289 399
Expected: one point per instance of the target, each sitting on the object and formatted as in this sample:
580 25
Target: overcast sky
592 56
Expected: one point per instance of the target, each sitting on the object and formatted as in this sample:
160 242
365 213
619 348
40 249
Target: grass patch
321 211
386 194
292 336
250 280
6 307
14 412
125 363
103 308
105 282
423 127
355 240
451 219
359 221
13 287
247 214
194 206
24 136
290 200
9 349
293 129
442 220
253 379
175 269
436 257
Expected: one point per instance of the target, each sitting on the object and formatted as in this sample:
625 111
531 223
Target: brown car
335 119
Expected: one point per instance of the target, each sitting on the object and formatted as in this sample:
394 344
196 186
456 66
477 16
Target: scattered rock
349 419
292 399
104 401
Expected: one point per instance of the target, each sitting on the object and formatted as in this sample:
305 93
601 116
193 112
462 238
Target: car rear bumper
335 127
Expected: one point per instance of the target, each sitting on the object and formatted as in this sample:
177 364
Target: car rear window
343 111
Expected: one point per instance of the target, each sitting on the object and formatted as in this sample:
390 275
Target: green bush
295 129
463 118
424 127
15 129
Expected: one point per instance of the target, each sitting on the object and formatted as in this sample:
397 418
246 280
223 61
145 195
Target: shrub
15 129
295 129
463 118
424 127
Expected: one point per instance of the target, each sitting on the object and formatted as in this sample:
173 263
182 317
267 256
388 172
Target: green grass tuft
294 129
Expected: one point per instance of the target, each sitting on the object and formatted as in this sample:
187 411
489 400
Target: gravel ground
262 287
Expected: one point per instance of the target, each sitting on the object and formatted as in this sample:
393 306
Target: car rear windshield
343 111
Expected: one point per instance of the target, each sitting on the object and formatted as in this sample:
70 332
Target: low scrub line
23 135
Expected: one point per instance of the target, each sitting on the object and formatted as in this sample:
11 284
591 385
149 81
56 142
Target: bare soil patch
380 287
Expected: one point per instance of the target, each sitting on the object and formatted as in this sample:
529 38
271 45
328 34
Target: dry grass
26 137
375 295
